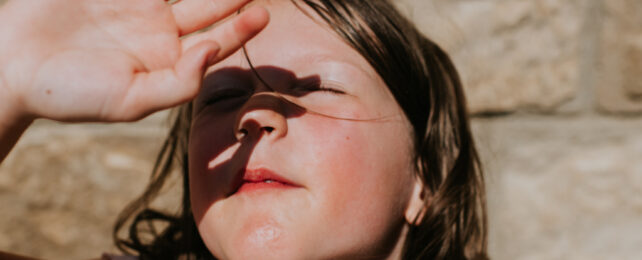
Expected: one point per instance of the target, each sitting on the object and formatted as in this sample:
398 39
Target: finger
193 15
157 90
232 34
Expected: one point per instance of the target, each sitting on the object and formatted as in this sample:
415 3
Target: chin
249 254
267 252
259 241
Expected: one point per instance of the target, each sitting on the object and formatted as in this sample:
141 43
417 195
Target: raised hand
112 60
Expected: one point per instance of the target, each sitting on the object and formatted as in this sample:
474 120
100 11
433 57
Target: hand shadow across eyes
268 79
266 88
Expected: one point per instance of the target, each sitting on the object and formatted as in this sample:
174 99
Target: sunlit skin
109 61
353 179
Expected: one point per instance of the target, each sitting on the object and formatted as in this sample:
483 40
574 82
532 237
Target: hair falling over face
426 85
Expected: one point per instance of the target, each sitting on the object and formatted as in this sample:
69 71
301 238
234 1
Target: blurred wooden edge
8 256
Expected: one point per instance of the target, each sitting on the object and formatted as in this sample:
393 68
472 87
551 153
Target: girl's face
283 175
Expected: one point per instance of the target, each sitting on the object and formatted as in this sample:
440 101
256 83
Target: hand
112 60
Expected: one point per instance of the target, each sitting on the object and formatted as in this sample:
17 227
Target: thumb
156 90
189 69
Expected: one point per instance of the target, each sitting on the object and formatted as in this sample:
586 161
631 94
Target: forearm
12 122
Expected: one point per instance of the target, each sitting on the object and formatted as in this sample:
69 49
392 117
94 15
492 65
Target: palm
96 54
113 60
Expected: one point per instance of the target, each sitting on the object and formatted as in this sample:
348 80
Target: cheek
210 150
360 154
362 177
368 170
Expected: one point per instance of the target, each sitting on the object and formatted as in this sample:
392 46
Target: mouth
261 179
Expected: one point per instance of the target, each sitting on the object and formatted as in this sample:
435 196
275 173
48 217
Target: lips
261 179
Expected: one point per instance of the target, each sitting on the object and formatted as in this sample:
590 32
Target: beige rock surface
63 186
513 55
564 187
620 82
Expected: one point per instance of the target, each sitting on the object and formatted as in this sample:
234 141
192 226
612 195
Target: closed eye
319 88
331 90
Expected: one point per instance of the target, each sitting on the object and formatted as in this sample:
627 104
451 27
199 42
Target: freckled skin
355 176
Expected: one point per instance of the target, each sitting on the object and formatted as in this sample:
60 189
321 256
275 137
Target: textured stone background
556 89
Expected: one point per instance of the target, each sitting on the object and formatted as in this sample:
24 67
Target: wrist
11 116
12 122
11 101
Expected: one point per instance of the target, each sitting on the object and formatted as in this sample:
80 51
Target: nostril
268 129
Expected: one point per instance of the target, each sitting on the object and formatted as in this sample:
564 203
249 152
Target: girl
339 132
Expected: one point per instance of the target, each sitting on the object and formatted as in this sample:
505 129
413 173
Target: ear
416 203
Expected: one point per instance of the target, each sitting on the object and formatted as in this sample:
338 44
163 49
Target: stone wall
556 90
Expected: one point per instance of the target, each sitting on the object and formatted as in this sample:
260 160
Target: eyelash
331 90
322 89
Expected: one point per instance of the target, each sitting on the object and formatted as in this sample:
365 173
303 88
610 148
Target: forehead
297 39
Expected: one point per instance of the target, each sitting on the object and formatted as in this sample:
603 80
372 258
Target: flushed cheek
359 174
355 174
335 148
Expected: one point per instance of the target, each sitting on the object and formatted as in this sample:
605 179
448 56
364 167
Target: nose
262 116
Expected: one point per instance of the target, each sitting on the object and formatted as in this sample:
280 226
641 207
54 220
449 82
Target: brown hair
424 82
